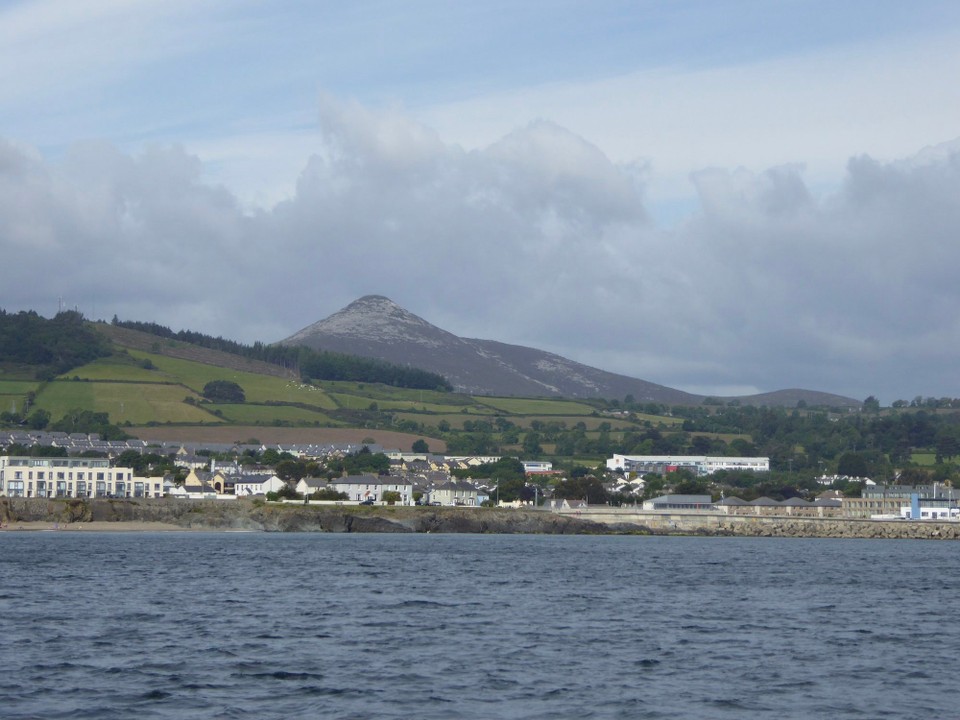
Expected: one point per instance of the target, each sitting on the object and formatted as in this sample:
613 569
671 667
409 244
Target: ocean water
227 625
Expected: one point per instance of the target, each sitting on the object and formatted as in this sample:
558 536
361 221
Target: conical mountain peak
373 318
376 327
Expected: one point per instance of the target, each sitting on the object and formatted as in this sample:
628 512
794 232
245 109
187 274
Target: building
794 507
701 465
892 500
455 492
370 488
250 485
537 467
72 478
680 502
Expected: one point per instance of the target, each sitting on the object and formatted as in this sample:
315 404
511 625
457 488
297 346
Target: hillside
136 340
376 327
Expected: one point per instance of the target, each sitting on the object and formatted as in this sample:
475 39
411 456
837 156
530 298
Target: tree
871 404
291 470
225 391
531 444
852 464
329 494
391 496
585 487
38 419
420 446
947 442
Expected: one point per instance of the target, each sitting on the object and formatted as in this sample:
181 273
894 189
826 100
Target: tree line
54 345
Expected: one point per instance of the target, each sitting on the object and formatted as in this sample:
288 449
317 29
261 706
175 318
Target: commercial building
700 465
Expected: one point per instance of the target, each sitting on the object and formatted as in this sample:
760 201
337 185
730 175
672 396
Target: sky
724 197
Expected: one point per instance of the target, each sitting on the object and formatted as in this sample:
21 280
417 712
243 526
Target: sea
261 625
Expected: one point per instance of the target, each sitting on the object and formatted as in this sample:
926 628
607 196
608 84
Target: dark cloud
537 239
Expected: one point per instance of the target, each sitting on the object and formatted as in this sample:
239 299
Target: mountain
374 326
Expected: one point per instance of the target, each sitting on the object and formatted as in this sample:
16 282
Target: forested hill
53 346
304 362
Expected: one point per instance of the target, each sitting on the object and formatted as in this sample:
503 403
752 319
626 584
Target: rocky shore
270 517
258 516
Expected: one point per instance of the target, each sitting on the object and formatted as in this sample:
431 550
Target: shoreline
174 515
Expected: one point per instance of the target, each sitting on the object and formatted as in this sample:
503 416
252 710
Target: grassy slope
136 403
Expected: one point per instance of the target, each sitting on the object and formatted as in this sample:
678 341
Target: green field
270 414
12 403
257 388
17 387
658 419
373 391
592 422
363 402
523 406
13 394
122 369
924 458
136 403
455 420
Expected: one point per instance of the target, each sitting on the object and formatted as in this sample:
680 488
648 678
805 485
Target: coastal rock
257 515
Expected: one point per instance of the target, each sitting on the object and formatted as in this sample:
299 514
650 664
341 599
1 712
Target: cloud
538 238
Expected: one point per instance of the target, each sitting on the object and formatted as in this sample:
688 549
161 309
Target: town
84 466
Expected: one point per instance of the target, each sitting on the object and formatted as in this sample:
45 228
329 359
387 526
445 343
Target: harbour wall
716 523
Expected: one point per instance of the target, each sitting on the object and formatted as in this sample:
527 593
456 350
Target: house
556 504
250 485
309 485
191 462
363 488
203 481
455 493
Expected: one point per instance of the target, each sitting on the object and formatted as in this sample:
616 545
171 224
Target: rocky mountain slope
375 326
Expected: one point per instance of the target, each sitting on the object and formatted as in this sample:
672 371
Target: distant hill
374 326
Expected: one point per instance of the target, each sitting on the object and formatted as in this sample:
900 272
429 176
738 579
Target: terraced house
72 477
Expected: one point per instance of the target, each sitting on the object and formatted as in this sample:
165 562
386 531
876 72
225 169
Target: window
81 489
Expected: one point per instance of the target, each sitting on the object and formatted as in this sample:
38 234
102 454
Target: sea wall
270 517
714 523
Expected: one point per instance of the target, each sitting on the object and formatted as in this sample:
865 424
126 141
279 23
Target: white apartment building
72 478
700 464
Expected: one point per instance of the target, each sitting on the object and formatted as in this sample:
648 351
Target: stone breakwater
269 517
